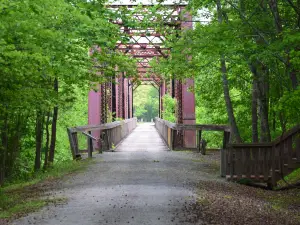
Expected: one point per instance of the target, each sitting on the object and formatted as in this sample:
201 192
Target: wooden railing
103 136
171 132
268 162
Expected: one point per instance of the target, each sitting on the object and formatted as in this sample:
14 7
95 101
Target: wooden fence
172 131
268 162
109 135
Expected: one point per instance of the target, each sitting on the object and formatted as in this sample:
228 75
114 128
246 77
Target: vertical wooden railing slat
90 145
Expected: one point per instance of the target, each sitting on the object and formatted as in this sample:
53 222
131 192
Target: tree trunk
4 146
53 128
254 111
231 117
277 20
38 140
298 13
263 103
47 142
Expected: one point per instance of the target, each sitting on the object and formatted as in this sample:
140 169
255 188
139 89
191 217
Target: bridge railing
103 136
173 135
264 162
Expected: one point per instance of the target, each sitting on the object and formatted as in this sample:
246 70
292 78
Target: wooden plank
89 134
75 144
290 132
169 137
208 127
223 163
297 145
252 145
105 126
266 168
71 141
232 163
289 149
226 139
255 164
238 163
90 145
199 140
172 140
247 163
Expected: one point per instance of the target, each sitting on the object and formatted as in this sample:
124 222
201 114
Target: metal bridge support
185 112
110 100
188 112
114 98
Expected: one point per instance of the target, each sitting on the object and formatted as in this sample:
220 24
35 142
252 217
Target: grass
24 196
292 178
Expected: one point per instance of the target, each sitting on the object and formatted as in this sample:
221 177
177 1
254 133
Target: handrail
207 127
174 134
264 162
276 141
111 134
105 126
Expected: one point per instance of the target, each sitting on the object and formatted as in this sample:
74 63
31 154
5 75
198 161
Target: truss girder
145 44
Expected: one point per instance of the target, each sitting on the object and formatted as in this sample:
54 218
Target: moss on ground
292 178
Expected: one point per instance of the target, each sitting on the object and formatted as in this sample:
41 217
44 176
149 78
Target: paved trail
141 183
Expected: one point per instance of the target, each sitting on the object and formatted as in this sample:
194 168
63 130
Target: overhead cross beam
145 44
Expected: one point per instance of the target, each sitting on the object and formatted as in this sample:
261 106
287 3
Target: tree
44 49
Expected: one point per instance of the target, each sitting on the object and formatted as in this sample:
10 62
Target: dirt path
153 186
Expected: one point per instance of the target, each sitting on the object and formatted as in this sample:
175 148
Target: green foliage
248 36
145 102
43 43
169 108
291 179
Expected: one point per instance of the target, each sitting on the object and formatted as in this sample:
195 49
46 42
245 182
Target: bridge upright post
130 99
125 100
94 110
188 97
162 92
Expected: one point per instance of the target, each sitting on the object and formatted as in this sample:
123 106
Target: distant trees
145 102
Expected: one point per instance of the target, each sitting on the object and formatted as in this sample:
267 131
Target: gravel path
147 184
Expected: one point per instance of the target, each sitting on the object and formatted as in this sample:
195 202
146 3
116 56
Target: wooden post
71 143
107 139
90 145
75 145
199 140
226 139
171 139
272 184
223 165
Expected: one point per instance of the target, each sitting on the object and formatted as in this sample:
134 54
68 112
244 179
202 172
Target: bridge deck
143 138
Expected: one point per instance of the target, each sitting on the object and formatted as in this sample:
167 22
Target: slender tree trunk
231 117
53 128
278 24
4 148
298 13
275 12
254 110
263 103
47 142
38 140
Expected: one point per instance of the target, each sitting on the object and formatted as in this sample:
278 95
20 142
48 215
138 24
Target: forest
145 103
243 57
